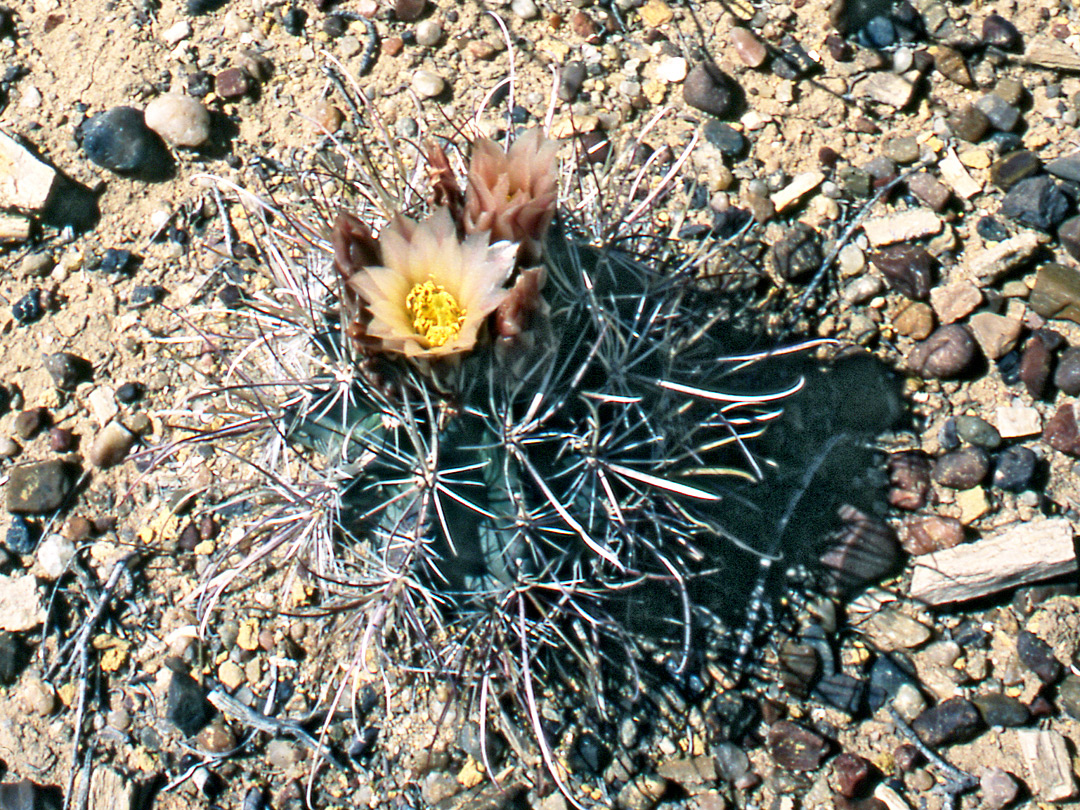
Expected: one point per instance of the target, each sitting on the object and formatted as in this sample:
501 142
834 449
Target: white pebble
179 119
177 33
428 84
672 70
525 9
54 554
428 33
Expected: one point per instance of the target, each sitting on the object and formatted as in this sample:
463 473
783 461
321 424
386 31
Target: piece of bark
1017 555
14 228
1048 761
25 181
1051 53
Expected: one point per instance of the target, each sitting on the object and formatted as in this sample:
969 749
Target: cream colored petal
376 283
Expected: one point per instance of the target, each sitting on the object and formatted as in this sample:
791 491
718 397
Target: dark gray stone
998 112
1001 710
1037 202
1014 467
951 721
187 707
119 140
707 88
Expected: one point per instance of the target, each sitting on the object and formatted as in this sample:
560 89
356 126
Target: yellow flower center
435 313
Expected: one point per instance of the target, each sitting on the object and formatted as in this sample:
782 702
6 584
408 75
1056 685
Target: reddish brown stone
852 773
233 83
909 479
923 534
795 748
1061 431
392 46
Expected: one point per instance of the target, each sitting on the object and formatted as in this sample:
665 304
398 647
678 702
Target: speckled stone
796 748
963 468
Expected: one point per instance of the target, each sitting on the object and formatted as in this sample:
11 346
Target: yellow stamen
436 314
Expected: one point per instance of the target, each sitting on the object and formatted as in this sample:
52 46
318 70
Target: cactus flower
512 194
434 290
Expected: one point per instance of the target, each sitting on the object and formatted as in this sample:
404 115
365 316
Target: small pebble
1001 710
902 149
570 81
428 33
34 489
963 468
1036 655
916 321
952 65
951 721
946 354
1067 373
929 190
999 788
978 432
53 555
9 448
409 10
924 534
796 748
179 119
706 89
21 536
969 123
119 140
1001 33
129 392
1056 293
28 309
428 84
66 369
1001 115
35 265
907 267
1007 171
724 137
749 48
1069 234
525 9
798 253
27 423
111 445
216 739
1061 431
909 479
233 83
851 773
116 261
991 230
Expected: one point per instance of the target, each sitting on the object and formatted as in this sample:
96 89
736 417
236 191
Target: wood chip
912 224
25 181
1017 555
1051 53
956 176
799 185
990 265
14 228
1047 758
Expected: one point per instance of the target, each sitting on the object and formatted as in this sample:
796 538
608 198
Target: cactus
587 494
